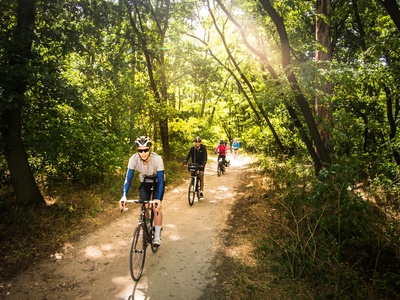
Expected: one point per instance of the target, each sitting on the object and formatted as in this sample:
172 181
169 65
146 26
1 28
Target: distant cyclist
235 146
151 168
221 150
198 154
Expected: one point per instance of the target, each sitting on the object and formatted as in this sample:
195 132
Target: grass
281 245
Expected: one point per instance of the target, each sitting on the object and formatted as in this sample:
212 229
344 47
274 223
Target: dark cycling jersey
197 155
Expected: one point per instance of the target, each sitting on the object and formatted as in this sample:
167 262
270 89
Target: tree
392 8
154 52
243 78
323 56
15 74
322 157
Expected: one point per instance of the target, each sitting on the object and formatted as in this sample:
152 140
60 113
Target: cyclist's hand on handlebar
157 205
122 203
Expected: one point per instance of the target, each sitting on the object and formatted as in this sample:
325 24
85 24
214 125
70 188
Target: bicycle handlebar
141 201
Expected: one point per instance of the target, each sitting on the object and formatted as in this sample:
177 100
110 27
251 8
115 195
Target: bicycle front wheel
154 248
219 170
191 192
138 253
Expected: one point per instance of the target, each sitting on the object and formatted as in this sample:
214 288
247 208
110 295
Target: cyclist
198 154
151 168
236 146
221 150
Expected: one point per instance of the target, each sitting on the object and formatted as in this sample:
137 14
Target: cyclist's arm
127 182
205 155
188 155
159 194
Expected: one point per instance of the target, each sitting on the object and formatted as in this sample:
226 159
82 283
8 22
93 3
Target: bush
331 238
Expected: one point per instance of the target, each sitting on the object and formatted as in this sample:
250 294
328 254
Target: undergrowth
312 238
331 239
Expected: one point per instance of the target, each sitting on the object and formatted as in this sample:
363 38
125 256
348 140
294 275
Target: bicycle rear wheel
138 253
191 192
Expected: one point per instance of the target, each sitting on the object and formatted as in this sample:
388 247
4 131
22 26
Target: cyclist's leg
157 219
145 190
201 180
221 162
157 215
146 193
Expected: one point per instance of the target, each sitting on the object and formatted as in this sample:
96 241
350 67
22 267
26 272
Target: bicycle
194 184
220 167
143 236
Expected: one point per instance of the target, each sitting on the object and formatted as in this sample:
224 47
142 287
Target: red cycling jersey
221 149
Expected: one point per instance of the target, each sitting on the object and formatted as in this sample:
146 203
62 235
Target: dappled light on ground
105 250
171 228
241 254
96 266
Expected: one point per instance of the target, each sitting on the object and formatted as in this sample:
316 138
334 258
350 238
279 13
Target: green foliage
326 236
74 149
89 95
184 131
385 186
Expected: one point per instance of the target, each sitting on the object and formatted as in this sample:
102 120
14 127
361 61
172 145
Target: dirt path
97 266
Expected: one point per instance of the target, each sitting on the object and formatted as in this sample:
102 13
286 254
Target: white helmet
143 141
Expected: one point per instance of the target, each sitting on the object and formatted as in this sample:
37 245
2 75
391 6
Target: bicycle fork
195 184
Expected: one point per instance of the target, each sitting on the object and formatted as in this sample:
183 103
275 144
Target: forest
310 87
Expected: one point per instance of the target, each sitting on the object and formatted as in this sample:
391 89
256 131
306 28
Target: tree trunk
323 106
25 187
22 179
246 81
158 84
292 112
164 128
323 154
393 10
392 117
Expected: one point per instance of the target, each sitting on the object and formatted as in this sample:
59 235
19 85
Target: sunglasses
143 150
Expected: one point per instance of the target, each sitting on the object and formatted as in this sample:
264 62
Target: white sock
158 230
